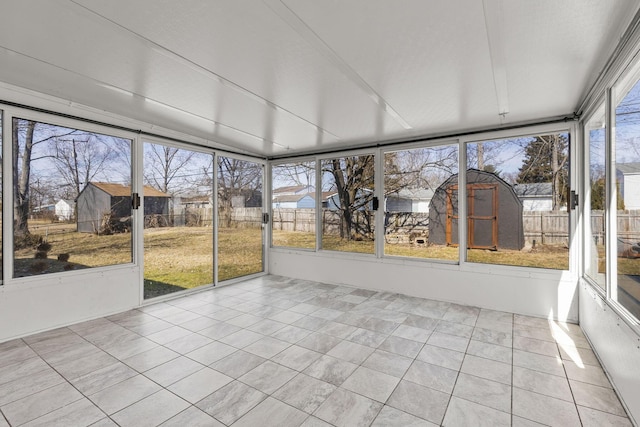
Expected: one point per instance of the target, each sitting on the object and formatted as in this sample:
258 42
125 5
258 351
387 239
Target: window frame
276 163
266 192
156 140
380 224
376 192
9 113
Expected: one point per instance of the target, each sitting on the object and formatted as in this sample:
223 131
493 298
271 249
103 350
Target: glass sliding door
72 199
240 218
626 288
178 219
594 211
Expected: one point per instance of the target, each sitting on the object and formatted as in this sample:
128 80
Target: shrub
63 257
44 247
27 240
38 267
40 255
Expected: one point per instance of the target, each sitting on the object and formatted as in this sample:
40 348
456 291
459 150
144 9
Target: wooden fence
545 227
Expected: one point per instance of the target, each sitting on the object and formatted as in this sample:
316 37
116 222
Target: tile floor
280 352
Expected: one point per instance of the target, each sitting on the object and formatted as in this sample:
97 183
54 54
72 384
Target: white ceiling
279 77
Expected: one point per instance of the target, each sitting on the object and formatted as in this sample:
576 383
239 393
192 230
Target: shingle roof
292 189
626 168
119 190
538 189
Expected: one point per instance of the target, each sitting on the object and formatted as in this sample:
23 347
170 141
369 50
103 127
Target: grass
175 258
545 256
182 257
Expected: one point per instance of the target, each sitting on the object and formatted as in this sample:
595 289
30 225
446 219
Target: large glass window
240 235
1 199
348 204
72 199
517 192
595 207
293 205
418 185
178 219
627 167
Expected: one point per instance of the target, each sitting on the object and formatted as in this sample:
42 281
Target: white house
409 200
628 175
535 196
293 190
294 201
64 209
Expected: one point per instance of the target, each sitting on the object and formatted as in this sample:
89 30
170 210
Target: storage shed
100 198
494 213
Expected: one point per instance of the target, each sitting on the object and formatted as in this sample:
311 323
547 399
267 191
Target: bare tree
353 181
82 158
164 166
27 136
299 173
237 179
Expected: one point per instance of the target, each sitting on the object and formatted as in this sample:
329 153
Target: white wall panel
46 302
616 345
548 294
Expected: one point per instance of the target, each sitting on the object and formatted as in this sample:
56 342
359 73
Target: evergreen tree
546 160
598 196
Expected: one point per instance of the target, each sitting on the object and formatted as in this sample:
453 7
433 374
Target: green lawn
182 257
175 258
546 256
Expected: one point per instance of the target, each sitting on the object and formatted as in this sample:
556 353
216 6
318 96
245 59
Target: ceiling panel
279 77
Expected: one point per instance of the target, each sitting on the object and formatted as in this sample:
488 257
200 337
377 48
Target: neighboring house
363 196
44 210
64 209
628 175
247 199
406 200
294 201
293 190
100 198
198 201
536 196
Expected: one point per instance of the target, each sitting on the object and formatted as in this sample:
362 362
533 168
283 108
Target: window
240 242
417 191
595 207
348 204
517 192
178 219
1 199
627 187
72 199
293 205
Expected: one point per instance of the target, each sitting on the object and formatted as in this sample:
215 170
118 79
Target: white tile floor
280 352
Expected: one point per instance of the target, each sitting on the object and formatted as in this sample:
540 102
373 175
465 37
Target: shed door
482 218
